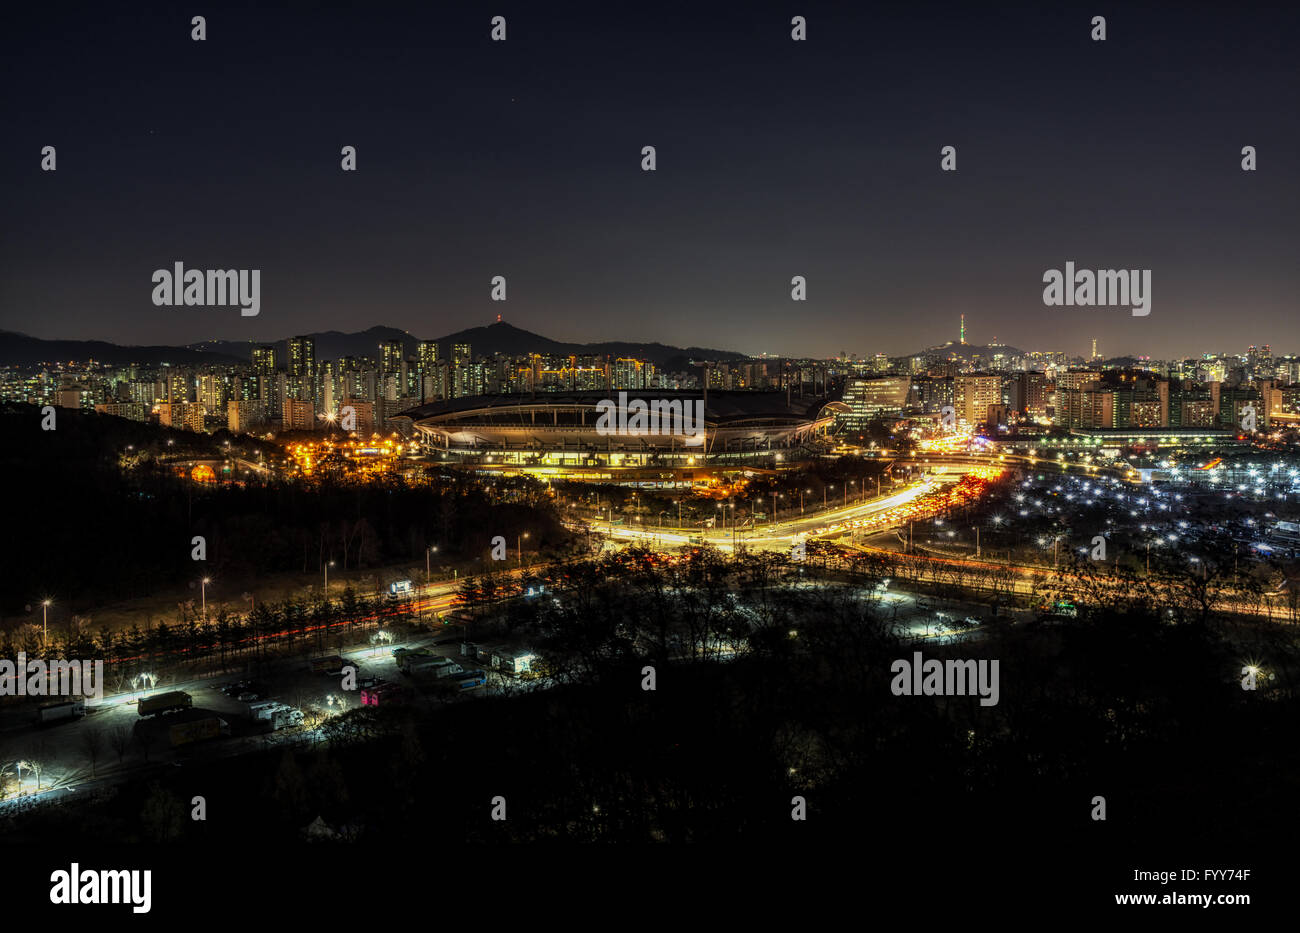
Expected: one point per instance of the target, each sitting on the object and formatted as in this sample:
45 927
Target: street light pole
45 628
203 591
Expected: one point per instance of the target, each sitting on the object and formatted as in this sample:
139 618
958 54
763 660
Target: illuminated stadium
580 434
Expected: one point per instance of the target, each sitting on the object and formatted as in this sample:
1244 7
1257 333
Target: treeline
268 631
96 513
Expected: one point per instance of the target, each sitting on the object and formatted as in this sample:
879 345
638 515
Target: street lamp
328 565
519 550
203 591
432 549
45 621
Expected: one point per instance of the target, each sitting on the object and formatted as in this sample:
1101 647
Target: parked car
246 696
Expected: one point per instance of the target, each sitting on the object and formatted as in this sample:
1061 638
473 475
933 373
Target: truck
61 712
285 717
331 665
468 680
278 714
261 709
443 667
161 703
184 733
383 695
431 666
405 657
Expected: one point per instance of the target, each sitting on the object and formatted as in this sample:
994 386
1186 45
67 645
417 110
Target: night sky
775 158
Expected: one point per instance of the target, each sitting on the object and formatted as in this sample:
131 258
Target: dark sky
776 158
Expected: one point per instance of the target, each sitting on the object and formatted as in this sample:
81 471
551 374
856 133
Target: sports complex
603 436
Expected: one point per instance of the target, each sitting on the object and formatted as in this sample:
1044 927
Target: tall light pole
519 550
977 542
203 592
45 626
328 565
432 549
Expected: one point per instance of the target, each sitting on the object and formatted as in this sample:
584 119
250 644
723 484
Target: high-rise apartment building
974 395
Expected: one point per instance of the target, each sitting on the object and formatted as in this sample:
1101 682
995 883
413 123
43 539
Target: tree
119 740
92 746
289 789
145 739
162 815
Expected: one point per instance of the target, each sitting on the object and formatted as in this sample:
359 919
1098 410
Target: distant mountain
19 349
506 338
330 344
484 341
967 350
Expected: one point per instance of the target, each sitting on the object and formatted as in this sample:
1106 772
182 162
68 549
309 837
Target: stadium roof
722 407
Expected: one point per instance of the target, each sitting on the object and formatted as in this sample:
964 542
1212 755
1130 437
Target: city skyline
1096 350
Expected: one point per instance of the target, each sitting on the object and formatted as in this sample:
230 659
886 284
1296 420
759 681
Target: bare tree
92 746
119 739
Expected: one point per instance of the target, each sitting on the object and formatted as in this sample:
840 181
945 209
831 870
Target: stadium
597 435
